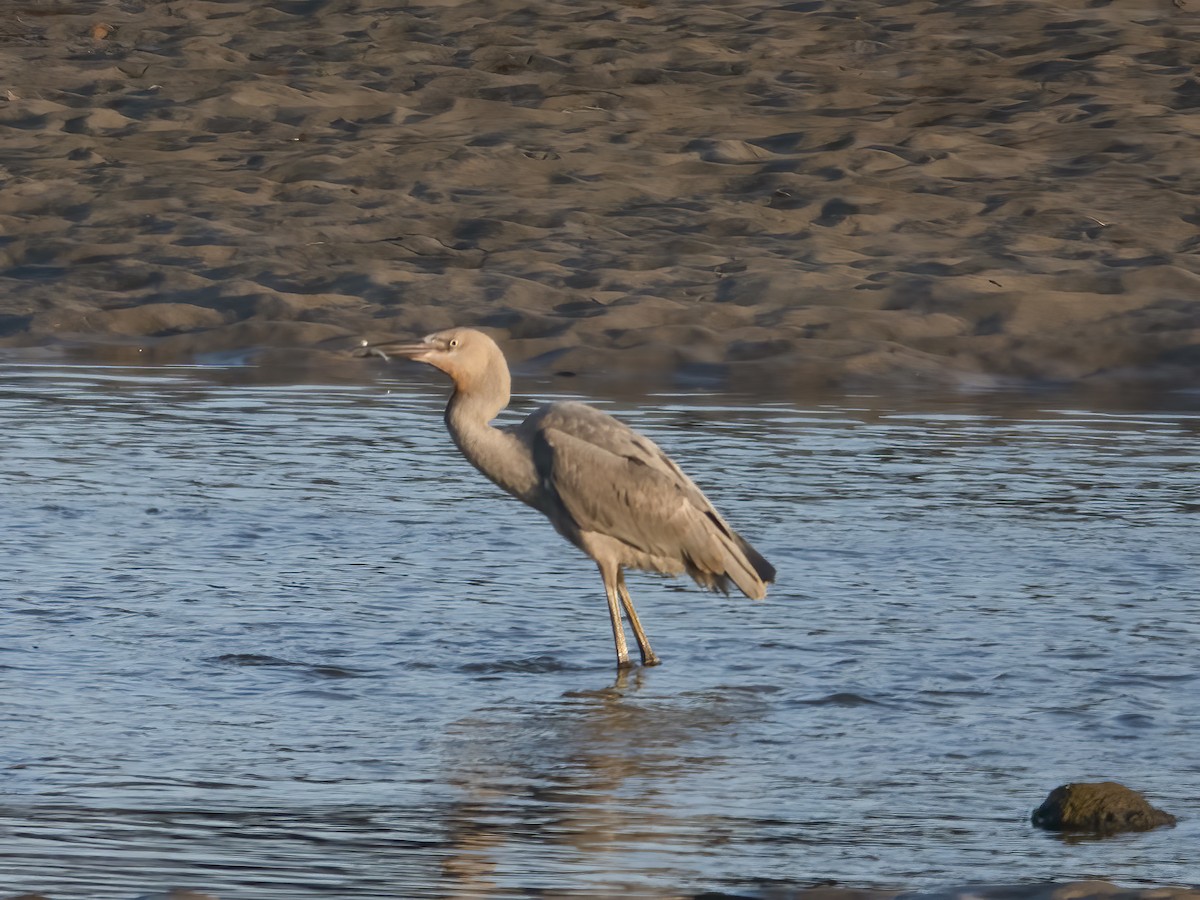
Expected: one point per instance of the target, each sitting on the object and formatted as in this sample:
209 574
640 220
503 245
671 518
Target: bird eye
453 343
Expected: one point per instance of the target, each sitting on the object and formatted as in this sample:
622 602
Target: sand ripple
812 192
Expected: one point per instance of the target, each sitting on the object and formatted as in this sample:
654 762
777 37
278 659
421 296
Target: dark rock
1103 808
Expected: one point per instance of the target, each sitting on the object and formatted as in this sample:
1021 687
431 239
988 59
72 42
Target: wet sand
1076 890
805 193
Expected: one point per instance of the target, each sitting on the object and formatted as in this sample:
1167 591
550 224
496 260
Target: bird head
469 357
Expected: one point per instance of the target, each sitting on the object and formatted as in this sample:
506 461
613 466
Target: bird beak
385 350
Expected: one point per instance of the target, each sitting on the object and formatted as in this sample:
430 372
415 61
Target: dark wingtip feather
765 570
762 568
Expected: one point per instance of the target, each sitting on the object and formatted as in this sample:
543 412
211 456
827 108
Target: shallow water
281 641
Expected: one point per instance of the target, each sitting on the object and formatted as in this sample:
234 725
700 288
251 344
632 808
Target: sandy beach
809 193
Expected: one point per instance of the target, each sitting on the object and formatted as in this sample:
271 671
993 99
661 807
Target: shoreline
1088 889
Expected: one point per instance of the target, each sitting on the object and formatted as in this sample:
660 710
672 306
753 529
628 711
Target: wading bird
607 489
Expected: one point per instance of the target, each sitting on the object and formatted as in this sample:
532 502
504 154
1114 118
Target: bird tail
728 561
749 570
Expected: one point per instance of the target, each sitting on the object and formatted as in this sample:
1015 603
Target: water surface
281 641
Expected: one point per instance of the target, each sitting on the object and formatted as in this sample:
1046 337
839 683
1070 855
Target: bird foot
624 665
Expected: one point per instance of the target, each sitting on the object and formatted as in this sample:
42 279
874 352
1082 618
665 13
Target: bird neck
496 453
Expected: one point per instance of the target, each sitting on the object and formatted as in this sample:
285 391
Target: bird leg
611 576
648 656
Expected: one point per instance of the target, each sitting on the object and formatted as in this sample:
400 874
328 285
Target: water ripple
278 642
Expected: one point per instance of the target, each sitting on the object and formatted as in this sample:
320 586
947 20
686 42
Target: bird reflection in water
589 785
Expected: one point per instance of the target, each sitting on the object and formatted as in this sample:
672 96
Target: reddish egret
607 489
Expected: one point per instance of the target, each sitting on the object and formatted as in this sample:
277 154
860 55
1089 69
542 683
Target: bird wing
612 480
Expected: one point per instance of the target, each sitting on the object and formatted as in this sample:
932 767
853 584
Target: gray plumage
607 489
